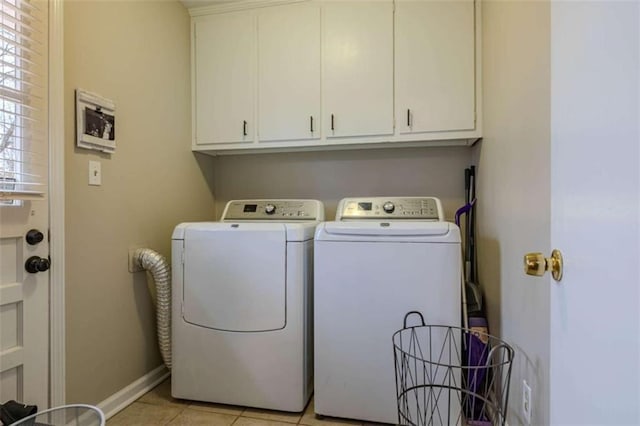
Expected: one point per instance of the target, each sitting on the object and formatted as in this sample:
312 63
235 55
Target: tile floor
157 407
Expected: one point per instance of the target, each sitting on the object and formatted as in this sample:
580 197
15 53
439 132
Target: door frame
57 373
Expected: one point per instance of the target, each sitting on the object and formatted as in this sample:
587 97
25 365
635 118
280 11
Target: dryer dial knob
269 209
388 207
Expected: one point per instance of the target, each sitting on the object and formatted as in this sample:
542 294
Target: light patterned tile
247 421
194 417
309 418
309 409
161 395
216 408
276 416
312 420
140 414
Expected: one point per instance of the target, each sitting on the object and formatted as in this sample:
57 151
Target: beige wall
332 175
513 208
136 53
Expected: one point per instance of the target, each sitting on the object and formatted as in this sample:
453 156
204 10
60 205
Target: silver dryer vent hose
160 270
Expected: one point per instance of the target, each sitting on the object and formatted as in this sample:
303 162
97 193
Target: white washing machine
242 305
381 258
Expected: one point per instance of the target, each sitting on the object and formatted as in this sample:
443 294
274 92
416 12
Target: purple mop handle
464 210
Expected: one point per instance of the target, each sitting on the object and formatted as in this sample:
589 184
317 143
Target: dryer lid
302 231
235 277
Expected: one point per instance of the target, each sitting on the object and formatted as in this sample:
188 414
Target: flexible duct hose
160 270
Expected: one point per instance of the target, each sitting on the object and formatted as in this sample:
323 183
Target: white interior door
24 306
559 168
595 190
24 207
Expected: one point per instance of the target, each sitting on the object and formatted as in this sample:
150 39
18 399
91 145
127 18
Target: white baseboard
126 396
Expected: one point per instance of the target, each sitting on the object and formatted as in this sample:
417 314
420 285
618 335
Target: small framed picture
95 121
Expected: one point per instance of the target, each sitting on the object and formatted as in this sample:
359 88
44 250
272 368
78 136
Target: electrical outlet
526 402
133 266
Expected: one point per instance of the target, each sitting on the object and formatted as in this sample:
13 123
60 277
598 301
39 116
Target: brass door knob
536 264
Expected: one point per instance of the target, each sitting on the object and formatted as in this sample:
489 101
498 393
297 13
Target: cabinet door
435 65
358 68
289 73
224 76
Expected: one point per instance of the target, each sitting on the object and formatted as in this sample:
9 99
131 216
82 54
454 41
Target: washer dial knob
269 209
388 207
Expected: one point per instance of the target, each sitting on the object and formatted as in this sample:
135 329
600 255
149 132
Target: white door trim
56 206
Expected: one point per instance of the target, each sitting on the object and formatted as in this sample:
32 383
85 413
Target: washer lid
235 278
369 230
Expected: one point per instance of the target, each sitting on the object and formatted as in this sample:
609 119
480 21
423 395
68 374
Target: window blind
23 100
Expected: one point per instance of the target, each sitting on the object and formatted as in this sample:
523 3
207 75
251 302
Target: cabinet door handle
244 128
311 122
332 127
408 117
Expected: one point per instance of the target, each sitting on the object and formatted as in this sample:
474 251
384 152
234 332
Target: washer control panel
277 210
417 208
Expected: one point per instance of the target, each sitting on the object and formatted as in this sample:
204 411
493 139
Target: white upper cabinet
300 74
357 68
224 76
435 65
289 72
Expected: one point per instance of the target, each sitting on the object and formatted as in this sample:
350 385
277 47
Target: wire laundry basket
450 375
66 415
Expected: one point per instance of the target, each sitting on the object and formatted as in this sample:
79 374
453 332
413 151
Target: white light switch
95 173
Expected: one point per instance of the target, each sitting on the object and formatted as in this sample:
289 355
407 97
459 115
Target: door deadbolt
536 264
34 237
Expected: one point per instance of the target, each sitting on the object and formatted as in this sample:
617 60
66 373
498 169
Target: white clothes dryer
380 258
242 305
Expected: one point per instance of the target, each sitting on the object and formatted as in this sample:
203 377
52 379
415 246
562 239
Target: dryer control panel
276 210
375 208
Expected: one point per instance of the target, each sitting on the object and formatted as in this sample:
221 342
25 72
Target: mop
473 320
